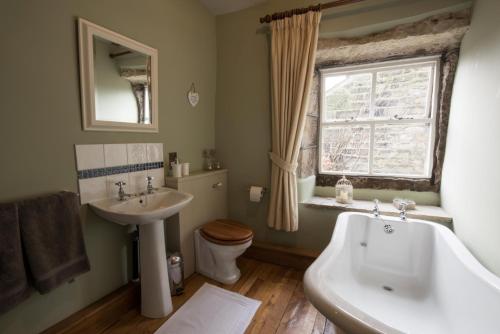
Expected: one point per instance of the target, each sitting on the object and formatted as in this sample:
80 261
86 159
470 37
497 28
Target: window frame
433 103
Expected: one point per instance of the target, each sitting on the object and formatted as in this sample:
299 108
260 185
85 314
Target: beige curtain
293 48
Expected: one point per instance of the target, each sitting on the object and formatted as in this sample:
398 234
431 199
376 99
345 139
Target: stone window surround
436 35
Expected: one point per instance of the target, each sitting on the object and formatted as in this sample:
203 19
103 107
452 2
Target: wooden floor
284 308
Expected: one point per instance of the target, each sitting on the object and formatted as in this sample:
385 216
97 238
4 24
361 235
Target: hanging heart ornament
193 96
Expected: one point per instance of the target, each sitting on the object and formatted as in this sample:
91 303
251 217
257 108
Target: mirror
118 81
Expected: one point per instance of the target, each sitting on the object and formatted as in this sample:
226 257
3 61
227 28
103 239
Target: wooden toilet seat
226 232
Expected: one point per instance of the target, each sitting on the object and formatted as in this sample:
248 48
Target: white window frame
434 61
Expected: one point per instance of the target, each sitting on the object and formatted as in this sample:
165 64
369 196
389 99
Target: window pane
403 92
347 96
401 149
345 149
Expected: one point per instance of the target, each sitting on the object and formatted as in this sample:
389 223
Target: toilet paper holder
264 190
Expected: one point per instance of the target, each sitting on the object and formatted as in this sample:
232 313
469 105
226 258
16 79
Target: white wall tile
89 156
159 177
155 152
92 189
136 153
115 155
112 189
137 182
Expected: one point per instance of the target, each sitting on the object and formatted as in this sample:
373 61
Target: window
379 119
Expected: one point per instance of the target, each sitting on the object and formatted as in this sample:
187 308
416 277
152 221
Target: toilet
218 244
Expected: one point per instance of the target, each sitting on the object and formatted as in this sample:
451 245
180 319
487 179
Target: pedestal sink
148 212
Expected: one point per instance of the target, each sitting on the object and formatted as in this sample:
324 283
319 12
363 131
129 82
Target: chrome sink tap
149 187
402 212
376 211
121 193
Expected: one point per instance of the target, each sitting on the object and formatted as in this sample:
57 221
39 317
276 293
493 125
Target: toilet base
218 262
228 280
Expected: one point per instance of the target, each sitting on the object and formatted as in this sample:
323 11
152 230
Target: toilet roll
185 169
256 193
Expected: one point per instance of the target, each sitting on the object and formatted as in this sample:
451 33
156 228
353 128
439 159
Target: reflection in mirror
122 83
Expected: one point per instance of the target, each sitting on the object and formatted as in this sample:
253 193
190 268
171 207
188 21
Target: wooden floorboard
100 315
299 316
284 307
319 324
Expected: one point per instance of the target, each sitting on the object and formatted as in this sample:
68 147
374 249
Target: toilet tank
209 189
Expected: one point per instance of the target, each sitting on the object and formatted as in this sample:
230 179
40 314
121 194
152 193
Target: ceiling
218 7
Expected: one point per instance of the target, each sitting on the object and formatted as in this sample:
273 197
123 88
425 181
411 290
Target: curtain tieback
282 164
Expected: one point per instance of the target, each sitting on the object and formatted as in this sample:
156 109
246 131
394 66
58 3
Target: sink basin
148 212
145 209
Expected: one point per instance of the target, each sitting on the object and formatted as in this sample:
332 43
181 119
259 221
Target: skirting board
285 256
98 316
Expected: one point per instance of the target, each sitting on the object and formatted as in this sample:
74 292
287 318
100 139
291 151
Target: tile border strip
105 171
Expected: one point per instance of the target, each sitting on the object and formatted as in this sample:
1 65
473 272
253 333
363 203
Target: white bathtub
417 279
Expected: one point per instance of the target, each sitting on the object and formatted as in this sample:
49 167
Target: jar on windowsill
343 191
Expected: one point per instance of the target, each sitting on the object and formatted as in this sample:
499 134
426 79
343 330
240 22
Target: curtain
293 49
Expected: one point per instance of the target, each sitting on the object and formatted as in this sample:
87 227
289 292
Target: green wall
471 180
243 123
40 119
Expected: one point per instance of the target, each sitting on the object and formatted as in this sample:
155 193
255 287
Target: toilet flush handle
217 185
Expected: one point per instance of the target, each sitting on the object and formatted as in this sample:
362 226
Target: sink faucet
121 192
402 212
376 211
150 188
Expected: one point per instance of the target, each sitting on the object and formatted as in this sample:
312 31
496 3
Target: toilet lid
226 232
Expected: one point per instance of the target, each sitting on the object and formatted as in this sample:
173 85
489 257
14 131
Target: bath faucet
121 192
402 212
376 211
150 188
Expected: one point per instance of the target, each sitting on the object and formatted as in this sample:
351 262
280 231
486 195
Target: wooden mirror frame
86 32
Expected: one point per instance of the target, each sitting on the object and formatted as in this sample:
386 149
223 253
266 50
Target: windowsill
424 212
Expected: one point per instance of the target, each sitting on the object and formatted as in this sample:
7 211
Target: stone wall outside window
437 35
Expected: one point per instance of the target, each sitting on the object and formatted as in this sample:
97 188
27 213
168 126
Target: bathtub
382 275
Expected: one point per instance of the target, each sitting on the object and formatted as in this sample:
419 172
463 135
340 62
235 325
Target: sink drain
387 288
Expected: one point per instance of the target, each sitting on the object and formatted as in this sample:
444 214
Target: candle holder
343 191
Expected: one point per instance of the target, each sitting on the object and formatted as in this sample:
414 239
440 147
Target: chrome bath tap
376 211
402 212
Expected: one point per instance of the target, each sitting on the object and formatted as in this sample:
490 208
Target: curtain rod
298 11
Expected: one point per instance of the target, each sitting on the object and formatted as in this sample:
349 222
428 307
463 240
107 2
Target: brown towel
13 282
52 237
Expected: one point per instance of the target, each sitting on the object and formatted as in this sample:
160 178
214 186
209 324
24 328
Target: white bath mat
212 310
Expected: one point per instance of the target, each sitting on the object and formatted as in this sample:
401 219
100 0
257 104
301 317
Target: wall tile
92 189
155 152
137 182
89 156
115 155
112 189
159 177
101 166
137 153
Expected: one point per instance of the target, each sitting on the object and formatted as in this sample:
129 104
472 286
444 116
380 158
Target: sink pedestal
156 301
